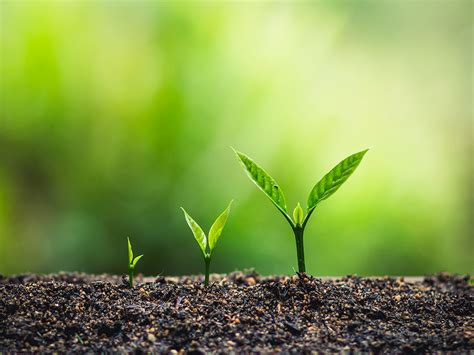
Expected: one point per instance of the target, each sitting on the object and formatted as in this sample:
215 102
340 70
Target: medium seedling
321 191
132 262
208 243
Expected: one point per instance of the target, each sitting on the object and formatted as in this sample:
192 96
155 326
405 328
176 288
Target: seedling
321 191
207 243
132 262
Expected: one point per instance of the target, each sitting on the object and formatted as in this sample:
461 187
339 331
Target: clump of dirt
239 312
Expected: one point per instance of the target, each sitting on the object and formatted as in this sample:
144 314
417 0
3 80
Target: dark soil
240 312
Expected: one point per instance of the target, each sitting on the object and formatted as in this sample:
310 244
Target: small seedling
321 191
132 262
79 339
208 243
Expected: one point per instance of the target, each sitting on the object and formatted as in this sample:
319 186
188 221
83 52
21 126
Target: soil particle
239 312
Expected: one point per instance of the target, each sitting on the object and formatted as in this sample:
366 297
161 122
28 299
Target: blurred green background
116 113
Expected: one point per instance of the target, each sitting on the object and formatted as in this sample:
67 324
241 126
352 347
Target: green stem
299 231
130 277
207 261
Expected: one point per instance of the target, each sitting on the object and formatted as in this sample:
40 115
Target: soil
239 312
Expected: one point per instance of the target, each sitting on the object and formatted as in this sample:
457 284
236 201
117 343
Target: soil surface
240 312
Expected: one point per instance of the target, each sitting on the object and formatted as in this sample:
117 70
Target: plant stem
299 231
130 278
207 261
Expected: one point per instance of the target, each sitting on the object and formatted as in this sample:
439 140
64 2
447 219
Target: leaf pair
321 191
131 260
208 243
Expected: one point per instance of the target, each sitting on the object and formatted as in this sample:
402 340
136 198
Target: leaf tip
239 155
363 152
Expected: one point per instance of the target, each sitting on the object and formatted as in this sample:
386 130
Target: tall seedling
321 191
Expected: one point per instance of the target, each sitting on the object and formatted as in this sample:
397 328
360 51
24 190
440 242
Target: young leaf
217 227
135 261
265 183
298 215
197 231
130 252
334 179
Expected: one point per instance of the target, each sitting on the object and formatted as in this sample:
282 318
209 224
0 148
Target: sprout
132 262
321 191
298 215
208 243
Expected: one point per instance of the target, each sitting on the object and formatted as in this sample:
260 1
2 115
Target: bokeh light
116 113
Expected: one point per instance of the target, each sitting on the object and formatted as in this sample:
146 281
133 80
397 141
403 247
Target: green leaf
197 232
135 261
334 179
217 227
130 252
265 183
